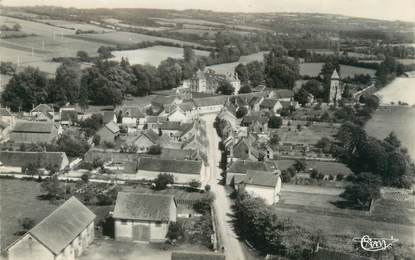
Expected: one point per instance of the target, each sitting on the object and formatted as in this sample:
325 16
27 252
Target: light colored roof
63 225
132 111
284 93
242 166
335 75
33 127
261 178
153 207
269 103
113 127
42 108
209 101
197 255
165 165
108 116
40 159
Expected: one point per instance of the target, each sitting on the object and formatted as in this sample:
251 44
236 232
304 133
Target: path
222 203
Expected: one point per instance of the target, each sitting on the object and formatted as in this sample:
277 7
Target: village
262 162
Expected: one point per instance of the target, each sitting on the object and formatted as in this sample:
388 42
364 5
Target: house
143 217
132 116
109 132
283 94
228 114
183 171
63 235
209 104
147 139
158 103
262 184
7 117
238 169
270 105
42 112
34 132
177 115
208 81
170 129
154 122
254 103
255 123
68 115
16 161
197 255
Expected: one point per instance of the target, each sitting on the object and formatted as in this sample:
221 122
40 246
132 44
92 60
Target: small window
158 224
124 222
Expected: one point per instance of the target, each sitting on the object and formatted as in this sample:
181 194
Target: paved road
222 204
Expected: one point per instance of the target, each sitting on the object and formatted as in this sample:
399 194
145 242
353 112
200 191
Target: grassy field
75 26
152 55
120 38
399 120
401 89
230 67
313 69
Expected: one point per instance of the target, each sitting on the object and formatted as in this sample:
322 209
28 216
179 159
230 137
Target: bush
314 174
85 177
175 231
27 223
162 180
241 112
104 200
155 150
202 206
275 122
339 177
194 184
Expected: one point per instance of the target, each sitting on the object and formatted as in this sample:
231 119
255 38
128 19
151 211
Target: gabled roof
33 127
268 103
132 111
170 125
166 165
156 119
40 159
113 127
63 225
163 100
151 135
209 101
255 100
248 120
261 178
284 93
43 108
242 166
197 256
138 206
188 106
178 154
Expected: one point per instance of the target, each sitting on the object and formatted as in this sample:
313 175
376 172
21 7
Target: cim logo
375 244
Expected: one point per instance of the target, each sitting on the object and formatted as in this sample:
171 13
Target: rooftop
41 159
139 206
168 165
243 166
261 178
197 255
33 127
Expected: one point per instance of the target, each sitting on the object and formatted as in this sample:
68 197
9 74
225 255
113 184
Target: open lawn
152 55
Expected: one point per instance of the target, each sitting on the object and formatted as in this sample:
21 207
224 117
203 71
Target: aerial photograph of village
207 130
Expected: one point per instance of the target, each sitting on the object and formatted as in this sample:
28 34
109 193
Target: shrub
339 177
85 177
155 150
27 223
194 184
175 231
275 122
314 174
202 206
162 180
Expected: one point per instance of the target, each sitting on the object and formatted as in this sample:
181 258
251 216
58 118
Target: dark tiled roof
58 229
153 207
21 159
150 134
284 93
108 116
210 101
170 125
261 178
269 103
188 106
197 256
132 111
242 166
164 165
33 127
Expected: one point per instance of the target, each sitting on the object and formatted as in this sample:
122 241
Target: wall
209 109
28 248
124 231
267 193
178 177
231 175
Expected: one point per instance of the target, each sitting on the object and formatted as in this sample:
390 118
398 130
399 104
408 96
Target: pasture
400 89
230 67
74 25
397 119
152 55
313 70
124 38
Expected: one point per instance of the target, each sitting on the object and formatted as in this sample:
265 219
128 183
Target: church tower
336 89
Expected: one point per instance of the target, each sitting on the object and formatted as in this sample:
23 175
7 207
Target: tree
301 96
68 82
241 112
194 184
176 231
85 177
324 144
207 188
189 55
256 72
275 122
53 188
365 188
392 140
275 139
300 166
170 73
104 52
162 180
25 90
280 72
27 223
245 89
225 88
72 144
242 72
30 169
83 56
314 87
92 124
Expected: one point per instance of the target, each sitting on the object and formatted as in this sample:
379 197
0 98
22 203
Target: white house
177 115
143 217
262 184
63 235
209 104
183 171
271 105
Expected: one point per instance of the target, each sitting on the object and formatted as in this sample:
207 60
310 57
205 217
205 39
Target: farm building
183 171
238 169
262 184
16 161
42 112
132 116
34 132
146 139
63 235
143 217
197 255
209 104
109 132
270 105
109 116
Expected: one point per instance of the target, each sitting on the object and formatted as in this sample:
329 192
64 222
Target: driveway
222 203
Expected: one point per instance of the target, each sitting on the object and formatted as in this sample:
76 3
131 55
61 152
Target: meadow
152 55
400 89
75 25
230 67
313 69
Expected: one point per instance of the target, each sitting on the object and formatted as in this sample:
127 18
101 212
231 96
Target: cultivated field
152 55
230 67
401 89
397 119
75 25
313 69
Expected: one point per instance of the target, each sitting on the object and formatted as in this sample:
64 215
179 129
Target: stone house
237 170
270 105
143 217
262 184
109 132
34 132
63 235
